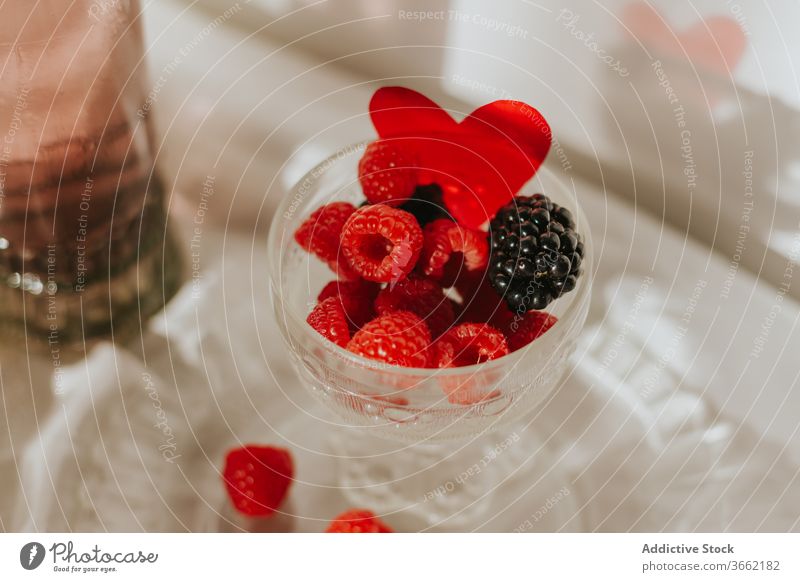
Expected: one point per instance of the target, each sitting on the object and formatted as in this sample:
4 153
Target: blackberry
535 252
426 204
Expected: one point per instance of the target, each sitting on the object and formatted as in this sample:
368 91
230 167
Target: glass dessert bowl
402 430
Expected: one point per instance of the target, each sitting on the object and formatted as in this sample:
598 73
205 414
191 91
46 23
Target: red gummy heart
480 163
716 43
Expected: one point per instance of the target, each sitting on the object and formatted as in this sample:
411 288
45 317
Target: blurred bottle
84 245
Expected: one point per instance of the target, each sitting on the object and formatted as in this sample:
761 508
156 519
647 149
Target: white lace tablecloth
680 414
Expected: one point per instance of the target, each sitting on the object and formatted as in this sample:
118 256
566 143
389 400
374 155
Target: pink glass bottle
84 244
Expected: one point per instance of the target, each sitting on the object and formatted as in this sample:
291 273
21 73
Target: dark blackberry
536 254
426 204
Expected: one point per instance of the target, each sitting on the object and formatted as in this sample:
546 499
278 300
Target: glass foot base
501 481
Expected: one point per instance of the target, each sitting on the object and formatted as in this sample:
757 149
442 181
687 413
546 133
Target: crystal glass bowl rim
280 235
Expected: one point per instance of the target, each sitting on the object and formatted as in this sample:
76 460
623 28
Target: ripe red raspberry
388 173
357 521
451 250
399 338
320 235
257 478
356 299
341 268
521 331
382 243
330 320
422 297
467 344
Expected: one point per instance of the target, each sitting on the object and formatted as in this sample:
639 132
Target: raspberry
467 344
320 232
330 320
422 297
356 299
387 172
257 478
381 243
341 268
357 521
399 338
523 330
449 249
536 253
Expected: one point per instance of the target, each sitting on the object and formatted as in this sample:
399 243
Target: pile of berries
416 288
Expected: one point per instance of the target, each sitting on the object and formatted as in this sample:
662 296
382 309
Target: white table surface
663 425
